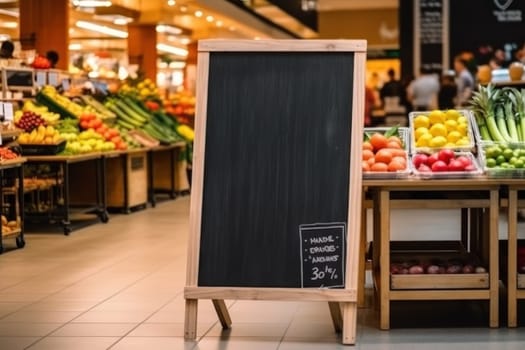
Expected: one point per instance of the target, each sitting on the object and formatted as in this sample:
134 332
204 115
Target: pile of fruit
28 121
384 152
88 141
50 118
439 129
143 90
435 266
7 154
10 226
446 160
504 157
41 135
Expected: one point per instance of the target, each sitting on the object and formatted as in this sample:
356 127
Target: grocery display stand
162 171
16 192
62 212
467 193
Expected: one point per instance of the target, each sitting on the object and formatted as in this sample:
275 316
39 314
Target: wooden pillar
142 48
190 71
44 26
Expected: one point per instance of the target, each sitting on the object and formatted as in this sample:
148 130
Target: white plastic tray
380 175
450 174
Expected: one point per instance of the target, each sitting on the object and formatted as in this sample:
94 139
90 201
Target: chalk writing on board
322 255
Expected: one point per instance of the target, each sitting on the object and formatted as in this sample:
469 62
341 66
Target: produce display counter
479 198
67 171
127 179
165 176
12 201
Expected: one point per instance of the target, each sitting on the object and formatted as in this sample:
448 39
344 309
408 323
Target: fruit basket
403 134
435 130
42 149
503 160
449 168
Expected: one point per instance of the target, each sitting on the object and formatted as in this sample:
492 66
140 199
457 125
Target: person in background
447 92
370 102
498 60
392 88
464 81
6 49
52 57
422 92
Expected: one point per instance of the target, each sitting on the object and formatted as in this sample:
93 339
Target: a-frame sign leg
190 321
337 317
222 313
349 323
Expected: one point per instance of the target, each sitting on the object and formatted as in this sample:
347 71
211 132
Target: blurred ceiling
341 5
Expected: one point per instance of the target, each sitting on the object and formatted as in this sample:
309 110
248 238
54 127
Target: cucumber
129 112
136 106
123 116
125 124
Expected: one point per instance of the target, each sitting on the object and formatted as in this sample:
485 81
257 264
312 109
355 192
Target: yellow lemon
437 141
452 114
438 129
454 136
421 131
424 140
450 145
451 125
462 129
421 121
436 116
462 120
463 142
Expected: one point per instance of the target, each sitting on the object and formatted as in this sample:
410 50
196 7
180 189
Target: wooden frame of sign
276 191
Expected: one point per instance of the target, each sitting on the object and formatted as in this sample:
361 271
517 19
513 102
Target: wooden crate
442 281
162 171
136 186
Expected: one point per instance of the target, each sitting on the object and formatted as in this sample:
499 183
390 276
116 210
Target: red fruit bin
403 134
450 174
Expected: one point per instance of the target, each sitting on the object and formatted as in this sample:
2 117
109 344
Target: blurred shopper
464 81
448 92
422 92
498 60
392 88
6 49
52 57
370 102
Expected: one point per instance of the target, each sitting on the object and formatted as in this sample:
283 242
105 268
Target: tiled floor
119 286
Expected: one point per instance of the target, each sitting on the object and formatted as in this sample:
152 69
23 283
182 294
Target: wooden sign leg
190 321
337 318
349 323
222 313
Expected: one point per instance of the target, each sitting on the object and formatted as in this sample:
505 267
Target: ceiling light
198 13
75 47
10 25
172 49
171 38
231 28
122 21
91 3
219 23
10 12
183 8
185 41
177 65
161 28
4 37
171 2
209 18
102 29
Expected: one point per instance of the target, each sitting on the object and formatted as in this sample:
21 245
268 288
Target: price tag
2 109
52 78
8 112
65 84
40 78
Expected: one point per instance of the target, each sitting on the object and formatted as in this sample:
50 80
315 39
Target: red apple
432 159
439 166
470 167
423 168
446 155
419 159
456 165
465 160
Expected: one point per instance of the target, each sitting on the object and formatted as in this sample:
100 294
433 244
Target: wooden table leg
384 258
361 300
349 323
222 313
512 258
494 258
190 321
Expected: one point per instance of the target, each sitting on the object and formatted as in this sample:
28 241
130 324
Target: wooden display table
475 194
65 173
16 191
164 176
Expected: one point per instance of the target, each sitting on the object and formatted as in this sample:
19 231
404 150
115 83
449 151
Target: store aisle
119 286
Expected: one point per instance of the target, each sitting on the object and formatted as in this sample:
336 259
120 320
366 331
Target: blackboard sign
278 138
322 255
277 151
431 35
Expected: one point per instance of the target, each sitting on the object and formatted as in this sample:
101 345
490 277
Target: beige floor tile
156 343
311 330
167 330
94 330
7 308
243 343
61 305
16 343
27 329
74 343
41 316
309 344
113 317
263 330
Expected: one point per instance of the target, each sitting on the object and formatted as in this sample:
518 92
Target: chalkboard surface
277 154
